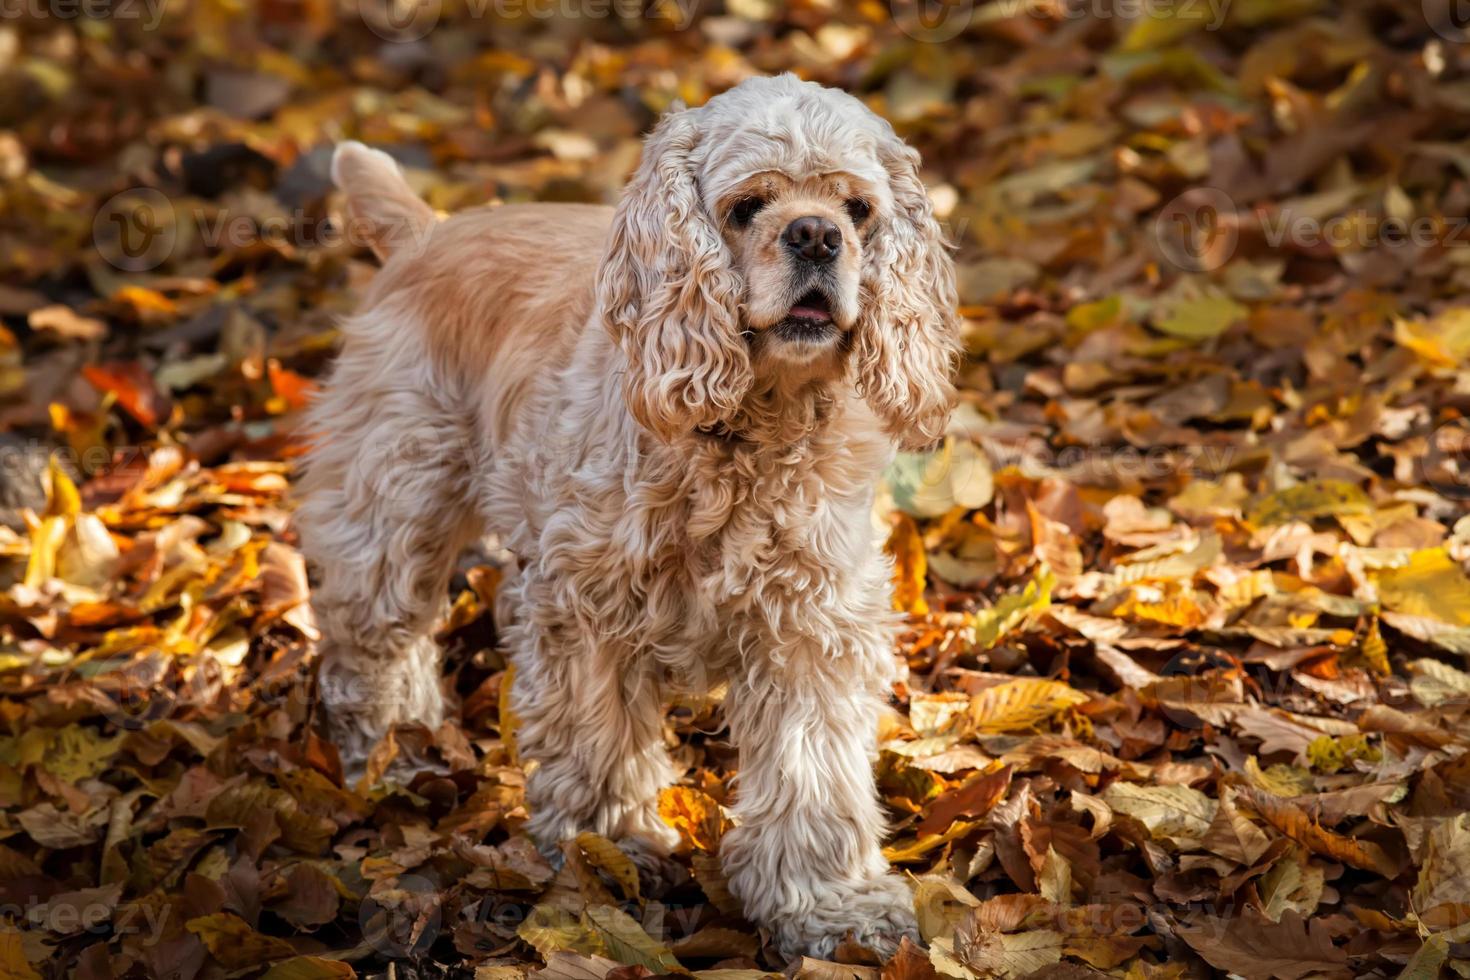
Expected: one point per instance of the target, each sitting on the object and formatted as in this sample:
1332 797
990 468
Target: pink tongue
809 313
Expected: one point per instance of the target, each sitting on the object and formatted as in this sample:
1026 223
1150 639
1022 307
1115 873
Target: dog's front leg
805 858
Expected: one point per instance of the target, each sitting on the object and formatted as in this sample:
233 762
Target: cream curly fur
686 484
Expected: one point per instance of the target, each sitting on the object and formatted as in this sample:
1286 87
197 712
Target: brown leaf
1294 822
1231 835
909 963
1252 947
971 799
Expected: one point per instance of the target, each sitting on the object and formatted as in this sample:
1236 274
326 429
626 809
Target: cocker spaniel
674 414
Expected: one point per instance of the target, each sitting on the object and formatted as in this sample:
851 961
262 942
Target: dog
674 414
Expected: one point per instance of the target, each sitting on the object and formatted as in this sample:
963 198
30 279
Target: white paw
876 913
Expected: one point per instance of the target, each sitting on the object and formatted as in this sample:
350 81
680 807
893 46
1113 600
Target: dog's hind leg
387 507
593 725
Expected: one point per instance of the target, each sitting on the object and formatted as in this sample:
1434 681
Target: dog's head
778 236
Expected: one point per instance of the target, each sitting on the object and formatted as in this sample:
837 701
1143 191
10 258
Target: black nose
815 239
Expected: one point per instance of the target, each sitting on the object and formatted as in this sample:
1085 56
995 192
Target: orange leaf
910 566
133 387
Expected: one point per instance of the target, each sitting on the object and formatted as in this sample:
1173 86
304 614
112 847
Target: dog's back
498 294
466 316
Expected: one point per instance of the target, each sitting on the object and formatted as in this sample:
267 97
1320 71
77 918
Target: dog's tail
383 211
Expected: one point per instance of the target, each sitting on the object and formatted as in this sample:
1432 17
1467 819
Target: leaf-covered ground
1190 613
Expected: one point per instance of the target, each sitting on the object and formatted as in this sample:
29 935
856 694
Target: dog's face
775 238
797 245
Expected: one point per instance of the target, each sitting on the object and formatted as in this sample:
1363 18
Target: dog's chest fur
698 553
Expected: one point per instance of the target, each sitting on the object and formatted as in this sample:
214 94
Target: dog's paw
877 914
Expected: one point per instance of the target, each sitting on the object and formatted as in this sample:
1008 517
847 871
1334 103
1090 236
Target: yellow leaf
1441 342
13 962
1011 610
1171 605
1201 317
1172 812
1375 651
694 814
904 851
1020 705
1280 779
1306 501
46 540
549 929
1431 584
62 498
626 942
603 854
1055 880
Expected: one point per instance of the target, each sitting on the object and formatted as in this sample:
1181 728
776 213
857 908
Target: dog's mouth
810 318
813 306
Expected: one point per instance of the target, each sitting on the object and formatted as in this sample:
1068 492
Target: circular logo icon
932 21
1447 460
1450 19
400 21
1188 679
136 230
400 916
1197 231
409 464
149 688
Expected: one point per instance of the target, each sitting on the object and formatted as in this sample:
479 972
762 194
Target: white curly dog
674 414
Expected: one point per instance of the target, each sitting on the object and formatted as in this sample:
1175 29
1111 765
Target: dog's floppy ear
907 338
668 295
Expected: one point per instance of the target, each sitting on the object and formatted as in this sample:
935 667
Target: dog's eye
858 210
745 209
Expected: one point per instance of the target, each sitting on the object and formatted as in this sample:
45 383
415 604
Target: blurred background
1203 500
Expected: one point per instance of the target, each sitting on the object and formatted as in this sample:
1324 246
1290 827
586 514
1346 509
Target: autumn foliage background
1189 609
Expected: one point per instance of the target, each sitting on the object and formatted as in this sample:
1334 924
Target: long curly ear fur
668 294
907 339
